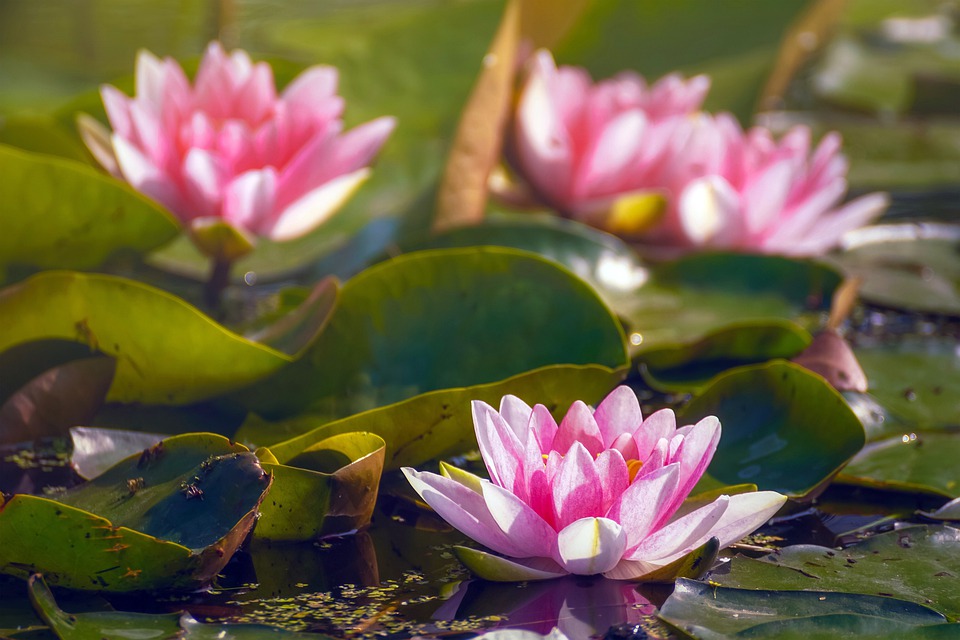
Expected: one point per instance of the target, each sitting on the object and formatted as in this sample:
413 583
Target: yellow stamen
633 467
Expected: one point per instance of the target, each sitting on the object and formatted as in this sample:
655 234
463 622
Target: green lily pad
329 488
142 525
438 423
119 625
916 462
710 612
86 216
440 319
167 351
40 134
913 380
705 313
784 428
919 564
907 266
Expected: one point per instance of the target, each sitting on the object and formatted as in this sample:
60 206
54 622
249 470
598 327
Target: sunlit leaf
916 462
167 352
438 423
57 213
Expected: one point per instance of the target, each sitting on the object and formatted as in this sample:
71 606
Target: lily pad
86 215
142 525
119 625
915 462
913 380
710 612
918 564
440 319
329 488
167 351
784 428
907 266
438 423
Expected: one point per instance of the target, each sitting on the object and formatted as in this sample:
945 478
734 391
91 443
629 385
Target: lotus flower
731 189
599 493
229 150
645 164
591 151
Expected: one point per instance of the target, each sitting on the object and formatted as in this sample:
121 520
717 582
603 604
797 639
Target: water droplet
250 278
636 339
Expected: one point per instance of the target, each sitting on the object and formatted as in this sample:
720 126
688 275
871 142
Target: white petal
591 545
316 206
709 211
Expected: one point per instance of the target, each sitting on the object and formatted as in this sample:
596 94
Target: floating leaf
440 319
167 352
710 612
913 380
784 428
56 400
119 625
439 423
916 462
40 134
142 525
907 266
330 487
86 216
919 564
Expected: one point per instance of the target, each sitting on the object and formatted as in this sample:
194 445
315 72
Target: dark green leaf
919 564
441 319
919 461
784 428
711 612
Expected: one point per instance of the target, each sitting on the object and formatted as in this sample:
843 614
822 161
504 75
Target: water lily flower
231 158
646 164
600 493
743 190
592 150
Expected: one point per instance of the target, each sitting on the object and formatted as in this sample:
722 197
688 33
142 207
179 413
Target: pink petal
257 95
765 197
641 505
613 154
203 182
577 491
313 86
579 426
529 532
694 456
463 508
248 201
590 546
501 450
117 106
150 78
658 426
679 536
544 427
315 207
516 413
828 232
614 478
619 413
146 177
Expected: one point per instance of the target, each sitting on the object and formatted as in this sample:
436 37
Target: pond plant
333 326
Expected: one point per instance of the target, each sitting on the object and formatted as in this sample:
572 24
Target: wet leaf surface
919 564
913 462
703 611
784 428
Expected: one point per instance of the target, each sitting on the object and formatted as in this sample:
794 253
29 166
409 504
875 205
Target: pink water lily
744 190
229 149
599 493
582 147
645 163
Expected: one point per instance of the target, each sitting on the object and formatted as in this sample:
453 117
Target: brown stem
216 283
